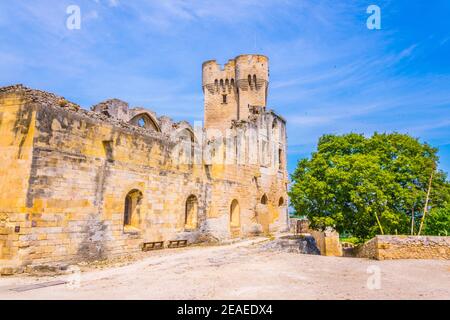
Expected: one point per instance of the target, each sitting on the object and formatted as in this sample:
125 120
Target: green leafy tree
438 222
368 186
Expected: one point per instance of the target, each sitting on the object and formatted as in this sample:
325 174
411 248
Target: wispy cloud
329 73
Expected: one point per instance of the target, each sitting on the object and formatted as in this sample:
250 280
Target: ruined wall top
250 101
100 112
38 96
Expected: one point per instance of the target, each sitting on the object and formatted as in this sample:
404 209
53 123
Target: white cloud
113 3
91 15
408 51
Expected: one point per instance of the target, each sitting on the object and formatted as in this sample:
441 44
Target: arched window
133 201
274 124
216 84
186 146
234 214
191 212
141 123
280 159
275 131
281 202
250 80
143 120
264 199
254 80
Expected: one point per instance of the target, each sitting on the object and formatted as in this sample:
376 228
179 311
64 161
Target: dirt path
243 271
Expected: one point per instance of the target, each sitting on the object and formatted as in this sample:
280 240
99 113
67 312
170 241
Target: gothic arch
235 214
186 143
264 199
132 208
145 120
191 213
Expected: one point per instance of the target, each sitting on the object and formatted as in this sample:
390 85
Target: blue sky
329 72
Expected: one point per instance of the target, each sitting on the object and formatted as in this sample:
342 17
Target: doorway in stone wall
282 209
235 219
132 208
191 213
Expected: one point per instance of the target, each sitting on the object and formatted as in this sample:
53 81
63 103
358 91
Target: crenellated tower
229 91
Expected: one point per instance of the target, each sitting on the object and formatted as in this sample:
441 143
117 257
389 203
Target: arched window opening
133 201
280 159
264 199
250 80
254 80
221 85
275 131
144 121
186 147
274 124
281 202
216 84
224 98
191 213
141 123
234 214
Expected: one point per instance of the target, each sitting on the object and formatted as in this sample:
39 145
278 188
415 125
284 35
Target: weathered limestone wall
328 242
252 79
297 225
81 185
217 82
368 250
81 174
385 247
17 125
80 170
243 81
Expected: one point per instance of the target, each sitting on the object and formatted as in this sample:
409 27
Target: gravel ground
242 270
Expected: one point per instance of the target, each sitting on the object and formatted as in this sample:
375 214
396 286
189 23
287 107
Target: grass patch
353 240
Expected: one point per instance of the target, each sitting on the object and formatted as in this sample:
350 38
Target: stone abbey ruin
79 185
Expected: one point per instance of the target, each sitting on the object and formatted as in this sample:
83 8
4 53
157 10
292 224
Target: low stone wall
368 249
405 247
328 242
305 244
298 225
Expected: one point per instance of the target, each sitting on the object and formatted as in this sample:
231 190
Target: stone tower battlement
231 90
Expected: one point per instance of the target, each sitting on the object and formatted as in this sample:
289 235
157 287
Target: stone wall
297 225
67 173
328 242
367 250
385 247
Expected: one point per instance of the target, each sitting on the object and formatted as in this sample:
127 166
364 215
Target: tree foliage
438 222
367 186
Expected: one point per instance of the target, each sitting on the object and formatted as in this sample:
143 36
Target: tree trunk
425 209
379 223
